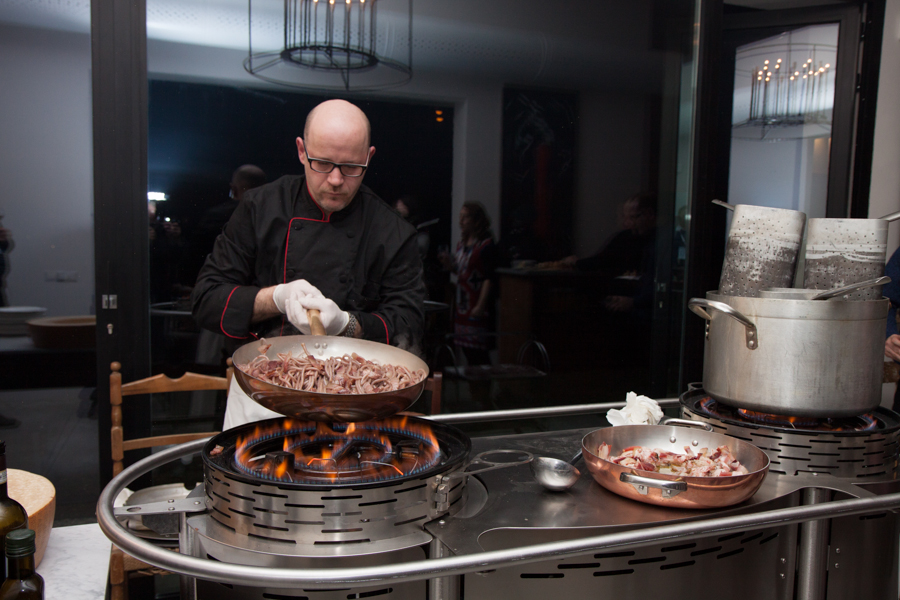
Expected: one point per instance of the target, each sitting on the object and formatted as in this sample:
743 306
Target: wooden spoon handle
315 322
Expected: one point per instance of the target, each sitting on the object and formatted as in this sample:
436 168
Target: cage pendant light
331 44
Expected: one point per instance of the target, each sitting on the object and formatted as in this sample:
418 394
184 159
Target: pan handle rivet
837 550
783 560
836 565
695 443
673 439
782 575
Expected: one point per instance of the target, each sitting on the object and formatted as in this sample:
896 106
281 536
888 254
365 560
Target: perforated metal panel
715 567
338 516
842 454
844 251
762 249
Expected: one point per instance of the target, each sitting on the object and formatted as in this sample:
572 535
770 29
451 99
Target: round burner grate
856 451
322 453
319 503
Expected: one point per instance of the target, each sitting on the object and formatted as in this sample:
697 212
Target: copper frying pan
672 490
319 406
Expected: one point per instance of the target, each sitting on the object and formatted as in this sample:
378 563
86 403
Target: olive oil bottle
22 582
12 515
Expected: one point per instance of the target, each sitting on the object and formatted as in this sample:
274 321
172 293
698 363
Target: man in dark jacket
319 241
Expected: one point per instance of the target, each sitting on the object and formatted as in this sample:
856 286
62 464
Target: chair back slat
188 382
157 384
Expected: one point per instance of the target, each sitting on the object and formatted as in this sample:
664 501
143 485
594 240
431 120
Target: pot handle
700 306
687 422
668 489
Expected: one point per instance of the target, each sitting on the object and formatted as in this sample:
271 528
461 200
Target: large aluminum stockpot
793 357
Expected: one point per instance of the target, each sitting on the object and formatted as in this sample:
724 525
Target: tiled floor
57 438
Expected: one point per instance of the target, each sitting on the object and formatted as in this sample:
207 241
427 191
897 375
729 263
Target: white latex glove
294 289
639 410
333 318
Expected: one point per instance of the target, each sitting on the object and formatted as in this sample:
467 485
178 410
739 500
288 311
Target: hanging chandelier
790 93
349 45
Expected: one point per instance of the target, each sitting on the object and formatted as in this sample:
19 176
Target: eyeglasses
326 166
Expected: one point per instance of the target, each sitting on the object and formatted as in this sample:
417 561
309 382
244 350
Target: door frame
121 252
712 140
740 29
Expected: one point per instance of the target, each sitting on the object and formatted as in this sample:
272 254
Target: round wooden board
38 496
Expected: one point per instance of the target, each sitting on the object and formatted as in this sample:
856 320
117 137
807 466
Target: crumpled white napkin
639 410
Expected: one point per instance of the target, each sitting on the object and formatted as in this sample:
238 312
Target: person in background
625 270
408 208
211 344
213 220
625 252
167 252
319 241
891 291
5 247
475 261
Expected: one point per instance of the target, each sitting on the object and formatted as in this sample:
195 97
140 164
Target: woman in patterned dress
474 262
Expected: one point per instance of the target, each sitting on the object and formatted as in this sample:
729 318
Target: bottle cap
19 542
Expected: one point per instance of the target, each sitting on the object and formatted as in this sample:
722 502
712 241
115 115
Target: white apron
241 409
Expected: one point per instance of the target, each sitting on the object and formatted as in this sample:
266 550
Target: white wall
884 196
46 163
790 174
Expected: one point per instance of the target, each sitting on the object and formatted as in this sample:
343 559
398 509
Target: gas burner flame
861 423
778 420
306 452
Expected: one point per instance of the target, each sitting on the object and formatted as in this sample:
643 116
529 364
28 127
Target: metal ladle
851 288
554 474
811 294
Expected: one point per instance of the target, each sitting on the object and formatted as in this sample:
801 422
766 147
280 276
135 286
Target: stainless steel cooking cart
807 535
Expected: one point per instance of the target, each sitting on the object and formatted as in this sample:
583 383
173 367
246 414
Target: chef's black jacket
363 257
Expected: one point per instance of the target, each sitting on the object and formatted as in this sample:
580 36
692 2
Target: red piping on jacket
222 320
387 339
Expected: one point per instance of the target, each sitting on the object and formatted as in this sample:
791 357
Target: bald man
320 240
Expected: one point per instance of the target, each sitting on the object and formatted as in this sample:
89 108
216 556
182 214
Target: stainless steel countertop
516 510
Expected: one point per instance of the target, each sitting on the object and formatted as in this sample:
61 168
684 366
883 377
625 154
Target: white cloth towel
639 410
241 408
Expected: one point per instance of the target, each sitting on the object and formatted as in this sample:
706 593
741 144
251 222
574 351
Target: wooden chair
434 384
121 564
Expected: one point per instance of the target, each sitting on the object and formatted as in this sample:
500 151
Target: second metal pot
793 357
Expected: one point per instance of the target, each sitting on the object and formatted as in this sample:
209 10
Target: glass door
791 80
782 119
